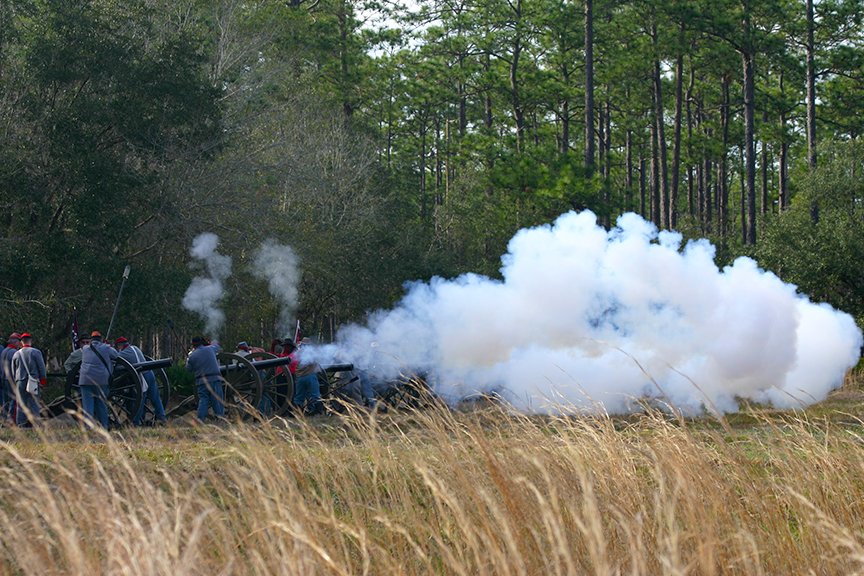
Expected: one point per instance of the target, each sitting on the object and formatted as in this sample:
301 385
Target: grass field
474 491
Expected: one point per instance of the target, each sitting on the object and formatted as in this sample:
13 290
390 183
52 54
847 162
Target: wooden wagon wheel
243 384
124 393
164 386
277 384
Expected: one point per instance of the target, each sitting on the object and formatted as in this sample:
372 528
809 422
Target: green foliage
818 244
182 381
106 104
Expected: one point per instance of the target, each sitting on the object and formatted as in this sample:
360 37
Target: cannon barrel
257 364
339 368
153 364
281 361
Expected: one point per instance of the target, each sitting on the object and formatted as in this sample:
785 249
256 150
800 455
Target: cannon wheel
164 393
243 385
278 389
124 394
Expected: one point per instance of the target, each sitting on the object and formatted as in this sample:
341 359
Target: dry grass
479 492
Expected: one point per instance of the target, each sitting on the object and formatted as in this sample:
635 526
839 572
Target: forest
387 143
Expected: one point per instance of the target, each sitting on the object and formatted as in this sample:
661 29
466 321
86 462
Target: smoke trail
596 319
279 265
205 292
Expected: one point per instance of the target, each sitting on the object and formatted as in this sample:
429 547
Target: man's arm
73 361
16 360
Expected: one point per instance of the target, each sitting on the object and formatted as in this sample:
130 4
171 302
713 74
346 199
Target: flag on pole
75 341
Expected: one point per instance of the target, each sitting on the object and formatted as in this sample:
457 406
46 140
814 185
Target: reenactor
134 355
203 364
307 388
28 369
97 366
9 384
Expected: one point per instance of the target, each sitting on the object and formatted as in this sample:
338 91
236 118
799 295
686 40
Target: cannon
125 393
255 386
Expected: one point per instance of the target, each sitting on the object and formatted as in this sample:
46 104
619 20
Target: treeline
385 154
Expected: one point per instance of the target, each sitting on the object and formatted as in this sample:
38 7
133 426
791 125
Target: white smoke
598 320
279 265
205 292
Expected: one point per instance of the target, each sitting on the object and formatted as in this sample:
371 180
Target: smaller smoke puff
205 292
279 265
597 320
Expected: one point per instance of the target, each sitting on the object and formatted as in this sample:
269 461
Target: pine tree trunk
565 114
589 86
656 189
749 151
691 207
423 207
676 137
723 166
782 170
662 169
811 86
628 161
763 208
643 185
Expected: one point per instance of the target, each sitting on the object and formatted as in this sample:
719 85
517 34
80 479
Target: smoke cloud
590 320
205 292
279 265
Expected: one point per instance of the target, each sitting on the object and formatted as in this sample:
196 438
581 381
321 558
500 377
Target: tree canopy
383 153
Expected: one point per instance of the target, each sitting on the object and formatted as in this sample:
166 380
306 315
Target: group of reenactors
202 362
23 375
92 363
90 367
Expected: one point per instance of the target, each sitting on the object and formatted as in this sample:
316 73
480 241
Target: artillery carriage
125 391
259 383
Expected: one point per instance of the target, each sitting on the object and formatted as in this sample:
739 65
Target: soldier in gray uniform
27 364
73 363
97 366
203 364
8 379
134 355
12 345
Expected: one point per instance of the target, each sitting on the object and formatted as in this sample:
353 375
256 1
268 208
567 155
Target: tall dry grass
438 492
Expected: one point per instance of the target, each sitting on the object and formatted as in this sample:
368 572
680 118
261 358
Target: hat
197 340
121 340
26 335
289 342
243 345
14 336
95 334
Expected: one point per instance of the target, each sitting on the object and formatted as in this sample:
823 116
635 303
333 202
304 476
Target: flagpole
75 328
117 303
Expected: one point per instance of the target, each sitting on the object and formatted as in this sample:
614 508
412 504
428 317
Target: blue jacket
93 370
203 364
